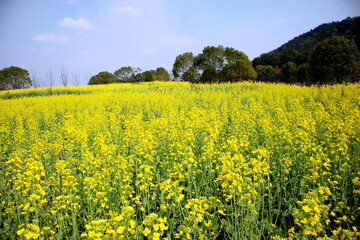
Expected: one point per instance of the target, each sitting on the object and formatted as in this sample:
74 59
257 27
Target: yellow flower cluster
154 226
180 161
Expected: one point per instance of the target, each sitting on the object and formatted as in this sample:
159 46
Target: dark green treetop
14 78
334 60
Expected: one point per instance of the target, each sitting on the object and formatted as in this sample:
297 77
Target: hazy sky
89 36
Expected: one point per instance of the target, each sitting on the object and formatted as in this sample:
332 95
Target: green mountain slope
297 50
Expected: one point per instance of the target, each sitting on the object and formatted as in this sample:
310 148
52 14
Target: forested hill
297 50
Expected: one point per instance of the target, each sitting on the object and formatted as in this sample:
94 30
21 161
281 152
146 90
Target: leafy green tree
231 56
215 64
192 75
102 78
209 75
266 73
333 60
150 76
211 57
2 81
288 71
14 78
238 66
244 70
302 73
182 64
162 74
147 76
124 74
135 76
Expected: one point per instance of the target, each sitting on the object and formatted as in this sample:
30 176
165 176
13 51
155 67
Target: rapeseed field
180 161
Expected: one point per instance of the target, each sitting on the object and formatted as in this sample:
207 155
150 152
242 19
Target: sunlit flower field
181 161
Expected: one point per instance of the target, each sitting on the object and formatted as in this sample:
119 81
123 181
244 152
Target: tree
182 64
14 78
211 57
149 76
209 75
124 74
64 76
162 74
2 82
231 55
333 60
238 66
299 48
244 70
102 78
266 73
50 77
229 64
135 77
192 75
36 82
288 71
76 79
302 73
235 65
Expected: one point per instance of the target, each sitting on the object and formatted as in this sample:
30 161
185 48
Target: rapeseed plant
173 161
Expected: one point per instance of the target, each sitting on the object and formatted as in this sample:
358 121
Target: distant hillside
297 50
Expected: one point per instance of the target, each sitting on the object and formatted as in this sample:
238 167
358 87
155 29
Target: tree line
130 75
18 78
333 60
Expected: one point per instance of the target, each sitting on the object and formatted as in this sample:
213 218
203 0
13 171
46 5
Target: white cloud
79 24
180 40
51 38
126 10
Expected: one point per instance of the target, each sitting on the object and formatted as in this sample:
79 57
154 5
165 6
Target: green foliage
211 57
288 71
192 75
241 69
209 75
266 73
219 64
149 76
14 78
302 73
162 75
103 78
182 64
238 66
333 60
2 81
298 49
124 74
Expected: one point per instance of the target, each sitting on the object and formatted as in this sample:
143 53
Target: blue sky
89 36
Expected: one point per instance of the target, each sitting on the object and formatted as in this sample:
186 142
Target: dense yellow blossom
180 161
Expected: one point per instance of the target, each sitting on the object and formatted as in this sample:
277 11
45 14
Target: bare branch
36 81
64 76
50 78
76 79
